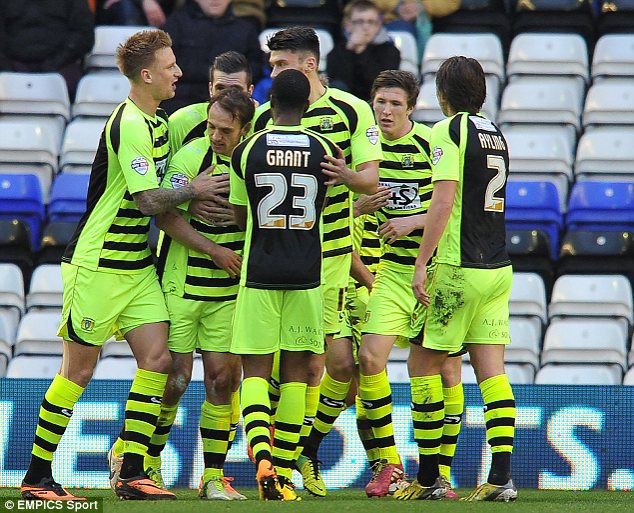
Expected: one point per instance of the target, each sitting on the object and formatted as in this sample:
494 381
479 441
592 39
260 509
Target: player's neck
286 120
317 89
144 101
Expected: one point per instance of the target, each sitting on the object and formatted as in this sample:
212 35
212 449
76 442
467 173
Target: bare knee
368 362
341 369
157 362
81 376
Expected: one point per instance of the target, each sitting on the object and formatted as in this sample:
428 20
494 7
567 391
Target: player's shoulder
194 112
321 138
421 130
338 96
197 146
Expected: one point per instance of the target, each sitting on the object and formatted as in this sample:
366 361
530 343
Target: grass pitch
354 501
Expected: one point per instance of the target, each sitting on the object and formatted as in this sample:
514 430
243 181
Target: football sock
454 409
215 429
288 424
256 411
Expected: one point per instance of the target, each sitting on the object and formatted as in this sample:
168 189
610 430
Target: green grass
354 501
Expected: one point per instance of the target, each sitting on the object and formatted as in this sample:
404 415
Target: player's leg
453 396
486 349
256 339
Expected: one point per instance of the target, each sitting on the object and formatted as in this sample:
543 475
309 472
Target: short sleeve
237 186
180 172
445 153
365 141
135 155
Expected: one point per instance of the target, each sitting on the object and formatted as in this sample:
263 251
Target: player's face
224 80
391 111
224 130
163 74
285 59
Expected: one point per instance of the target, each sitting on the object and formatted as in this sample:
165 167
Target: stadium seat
535 205
21 197
198 373
46 287
81 140
613 56
15 246
115 367
35 367
43 94
530 253
555 16
326 44
11 287
55 237
609 102
117 348
606 153
548 54
397 372
547 100
601 206
597 252
37 333
407 46
571 374
68 197
99 93
486 48
107 38
592 295
468 374
528 296
525 342
582 340
519 374
628 379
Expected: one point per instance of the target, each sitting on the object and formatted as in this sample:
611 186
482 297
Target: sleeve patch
179 180
372 134
140 165
436 154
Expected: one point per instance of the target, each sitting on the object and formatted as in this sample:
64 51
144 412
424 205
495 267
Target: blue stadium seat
21 198
68 197
601 206
535 205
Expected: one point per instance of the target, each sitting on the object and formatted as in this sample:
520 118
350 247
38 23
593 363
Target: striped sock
376 394
499 416
454 409
288 424
428 412
235 416
55 413
141 415
365 433
215 429
162 432
256 411
312 403
332 395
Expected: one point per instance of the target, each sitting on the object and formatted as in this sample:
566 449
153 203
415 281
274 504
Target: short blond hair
138 51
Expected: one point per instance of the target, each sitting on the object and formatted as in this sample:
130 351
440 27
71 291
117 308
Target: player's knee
341 369
368 361
221 381
81 376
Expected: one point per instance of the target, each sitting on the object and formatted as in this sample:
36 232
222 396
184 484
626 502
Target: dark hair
461 81
236 102
231 62
396 78
138 51
290 91
360 5
295 39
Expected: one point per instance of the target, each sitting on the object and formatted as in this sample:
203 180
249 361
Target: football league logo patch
372 134
140 165
436 155
179 180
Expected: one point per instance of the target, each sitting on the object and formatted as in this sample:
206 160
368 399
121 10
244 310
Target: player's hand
208 187
398 227
153 12
369 204
336 170
227 260
418 284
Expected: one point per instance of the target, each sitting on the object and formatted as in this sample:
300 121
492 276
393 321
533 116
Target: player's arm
368 204
398 227
360 272
364 180
174 225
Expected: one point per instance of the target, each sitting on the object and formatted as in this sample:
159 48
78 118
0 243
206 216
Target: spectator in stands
46 35
200 31
354 63
136 12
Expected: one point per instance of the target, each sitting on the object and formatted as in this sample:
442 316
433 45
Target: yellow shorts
202 325
468 306
270 320
335 273
98 305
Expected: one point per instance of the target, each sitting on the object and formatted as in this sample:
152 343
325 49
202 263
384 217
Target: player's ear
146 76
310 64
245 129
